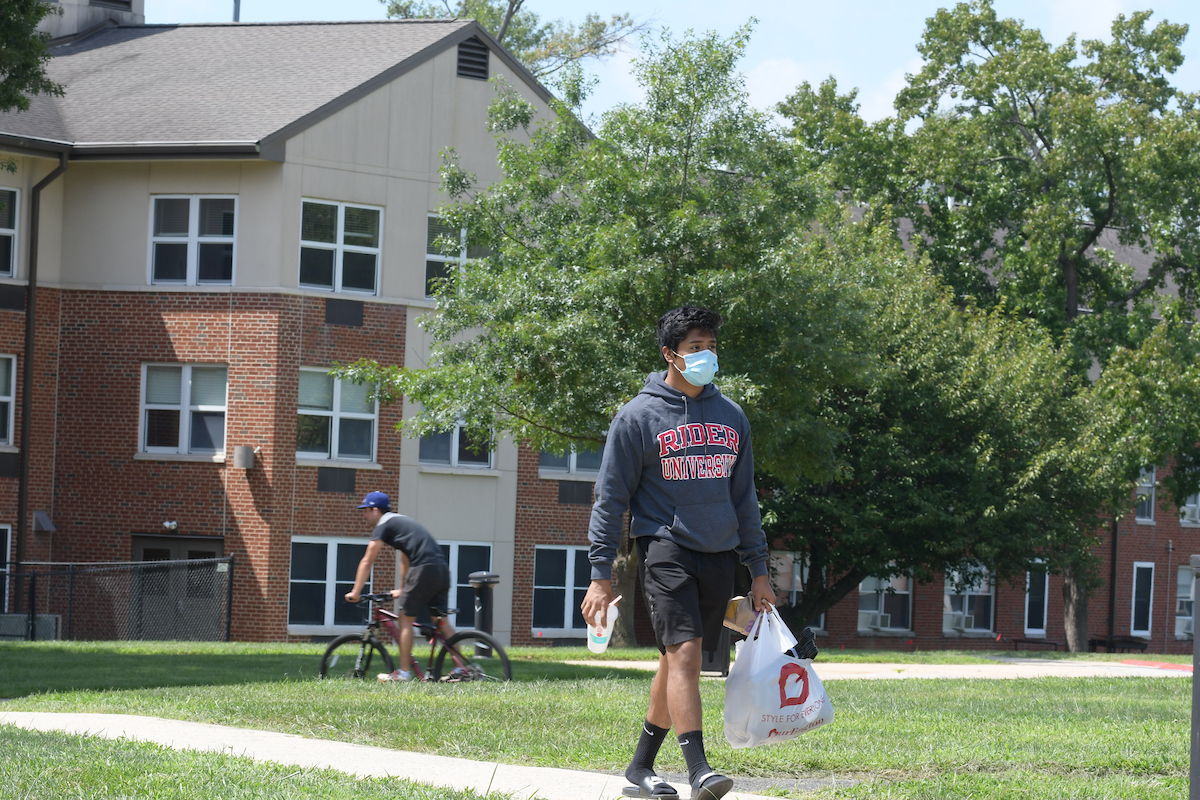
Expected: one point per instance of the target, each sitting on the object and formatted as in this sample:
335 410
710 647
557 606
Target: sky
869 45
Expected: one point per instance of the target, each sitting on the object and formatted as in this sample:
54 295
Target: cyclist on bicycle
424 573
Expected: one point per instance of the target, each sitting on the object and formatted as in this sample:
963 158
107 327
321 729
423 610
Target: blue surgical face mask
699 368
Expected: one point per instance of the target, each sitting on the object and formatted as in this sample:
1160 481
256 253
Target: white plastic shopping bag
769 695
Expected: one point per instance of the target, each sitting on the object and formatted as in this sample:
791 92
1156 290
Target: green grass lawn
1039 738
51 765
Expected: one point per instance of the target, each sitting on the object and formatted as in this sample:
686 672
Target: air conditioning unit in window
964 622
1187 627
880 621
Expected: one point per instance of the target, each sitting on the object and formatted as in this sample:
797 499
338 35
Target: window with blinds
183 408
337 419
193 240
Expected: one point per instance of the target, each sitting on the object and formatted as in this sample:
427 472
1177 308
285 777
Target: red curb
1157 664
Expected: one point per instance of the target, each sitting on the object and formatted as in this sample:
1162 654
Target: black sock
692 745
647 749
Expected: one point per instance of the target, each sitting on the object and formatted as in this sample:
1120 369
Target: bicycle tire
350 656
464 665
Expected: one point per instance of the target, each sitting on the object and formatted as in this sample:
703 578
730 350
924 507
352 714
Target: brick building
223 213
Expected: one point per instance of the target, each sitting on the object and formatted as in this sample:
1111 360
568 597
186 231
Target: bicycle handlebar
377 597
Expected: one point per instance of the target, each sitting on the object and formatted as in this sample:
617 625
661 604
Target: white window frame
1189 512
879 588
1045 604
6 536
1145 493
185 410
459 260
336 414
340 248
10 398
465 617
14 232
789 576
1185 602
193 240
571 473
455 433
332 597
574 552
967 591
1133 630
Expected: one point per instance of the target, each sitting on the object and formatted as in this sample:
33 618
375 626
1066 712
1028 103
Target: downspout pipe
27 373
1112 584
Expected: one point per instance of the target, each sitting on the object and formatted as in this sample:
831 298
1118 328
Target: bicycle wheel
351 657
458 660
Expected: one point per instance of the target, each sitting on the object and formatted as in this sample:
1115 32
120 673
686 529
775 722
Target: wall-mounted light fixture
170 524
243 456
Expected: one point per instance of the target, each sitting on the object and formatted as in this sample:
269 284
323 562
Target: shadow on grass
34 672
552 671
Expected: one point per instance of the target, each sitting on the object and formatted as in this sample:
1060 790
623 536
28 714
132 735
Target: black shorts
685 591
426 586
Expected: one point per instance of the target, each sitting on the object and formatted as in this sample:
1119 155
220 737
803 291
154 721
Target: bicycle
473 655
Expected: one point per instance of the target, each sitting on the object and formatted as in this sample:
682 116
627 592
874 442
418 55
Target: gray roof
219 89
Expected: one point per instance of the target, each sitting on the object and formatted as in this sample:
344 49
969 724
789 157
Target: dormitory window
561 576
339 247
1145 496
573 463
463 559
322 571
192 240
885 603
1189 512
445 249
8 231
1143 592
337 418
967 606
1036 601
183 408
8 382
454 448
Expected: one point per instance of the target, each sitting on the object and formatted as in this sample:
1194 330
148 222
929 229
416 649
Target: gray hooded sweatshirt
685 470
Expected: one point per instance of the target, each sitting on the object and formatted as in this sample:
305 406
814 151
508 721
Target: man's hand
396 593
596 601
352 597
761 593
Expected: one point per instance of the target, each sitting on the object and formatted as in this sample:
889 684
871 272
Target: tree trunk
625 584
1075 610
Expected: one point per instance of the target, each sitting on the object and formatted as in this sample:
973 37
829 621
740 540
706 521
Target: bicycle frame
390 621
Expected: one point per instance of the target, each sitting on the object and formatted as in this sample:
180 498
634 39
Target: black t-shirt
409 537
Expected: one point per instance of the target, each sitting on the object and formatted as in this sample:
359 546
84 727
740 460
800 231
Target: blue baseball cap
376 500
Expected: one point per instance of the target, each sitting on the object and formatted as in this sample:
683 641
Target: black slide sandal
711 786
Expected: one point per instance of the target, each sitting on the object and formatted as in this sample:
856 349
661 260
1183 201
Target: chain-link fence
188 600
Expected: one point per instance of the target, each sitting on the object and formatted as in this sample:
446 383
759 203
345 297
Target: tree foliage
895 428
23 57
1021 167
544 47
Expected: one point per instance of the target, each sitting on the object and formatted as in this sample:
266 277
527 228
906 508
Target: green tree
693 197
545 48
23 57
1020 166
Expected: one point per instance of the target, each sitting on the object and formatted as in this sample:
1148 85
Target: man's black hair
673 326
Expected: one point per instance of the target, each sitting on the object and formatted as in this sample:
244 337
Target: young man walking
678 457
424 573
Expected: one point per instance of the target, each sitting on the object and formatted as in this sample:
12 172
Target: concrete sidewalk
544 783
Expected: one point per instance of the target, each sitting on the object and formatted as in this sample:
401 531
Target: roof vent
473 59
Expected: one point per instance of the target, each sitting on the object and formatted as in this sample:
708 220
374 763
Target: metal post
237 10
70 597
1194 774
229 600
32 623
